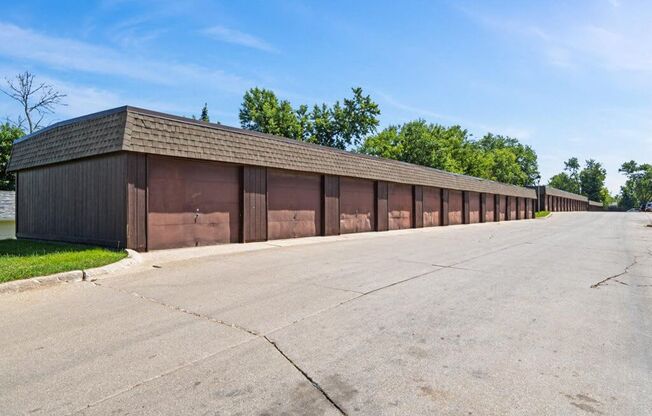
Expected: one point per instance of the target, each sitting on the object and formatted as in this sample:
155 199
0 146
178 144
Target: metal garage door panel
400 206
455 207
489 208
356 205
521 208
192 203
431 206
474 207
294 204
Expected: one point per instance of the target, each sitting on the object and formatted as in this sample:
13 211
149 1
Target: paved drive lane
546 316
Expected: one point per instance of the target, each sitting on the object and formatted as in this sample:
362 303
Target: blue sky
569 78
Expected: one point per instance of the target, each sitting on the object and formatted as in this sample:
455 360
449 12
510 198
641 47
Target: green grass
540 214
20 259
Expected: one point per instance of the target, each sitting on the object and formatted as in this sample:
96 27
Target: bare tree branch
22 90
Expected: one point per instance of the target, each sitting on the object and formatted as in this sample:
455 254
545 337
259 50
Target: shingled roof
564 194
138 130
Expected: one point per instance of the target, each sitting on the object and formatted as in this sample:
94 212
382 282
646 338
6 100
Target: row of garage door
192 203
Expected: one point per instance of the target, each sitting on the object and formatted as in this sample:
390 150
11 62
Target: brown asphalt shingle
138 130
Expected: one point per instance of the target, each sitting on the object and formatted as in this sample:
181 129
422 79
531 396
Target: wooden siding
417 215
474 207
81 201
381 206
331 207
137 201
254 203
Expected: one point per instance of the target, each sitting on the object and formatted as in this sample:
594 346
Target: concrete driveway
546 316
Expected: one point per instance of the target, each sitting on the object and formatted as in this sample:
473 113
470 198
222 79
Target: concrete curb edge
16 286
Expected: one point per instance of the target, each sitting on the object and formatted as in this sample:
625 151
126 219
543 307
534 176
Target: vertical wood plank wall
137 201
381 206
254 197
81 201
418 206
331 203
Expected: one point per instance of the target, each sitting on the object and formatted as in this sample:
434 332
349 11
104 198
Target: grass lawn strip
20 259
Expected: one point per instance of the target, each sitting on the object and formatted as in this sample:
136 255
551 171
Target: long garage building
144 180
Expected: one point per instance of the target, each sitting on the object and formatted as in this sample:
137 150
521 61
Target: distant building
7 214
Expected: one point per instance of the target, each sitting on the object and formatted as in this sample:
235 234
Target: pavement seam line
158 376
305 375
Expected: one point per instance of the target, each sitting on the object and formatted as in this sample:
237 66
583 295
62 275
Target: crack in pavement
615 276
310 379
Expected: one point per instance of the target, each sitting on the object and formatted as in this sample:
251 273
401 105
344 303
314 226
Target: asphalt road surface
546 317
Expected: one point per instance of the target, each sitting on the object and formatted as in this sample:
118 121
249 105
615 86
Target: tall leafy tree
638 187
341 125
452 149
8 133
569 179
592 179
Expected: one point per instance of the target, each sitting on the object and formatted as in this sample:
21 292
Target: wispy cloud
69 54
224 34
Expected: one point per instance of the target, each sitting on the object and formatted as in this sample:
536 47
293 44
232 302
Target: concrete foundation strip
15 286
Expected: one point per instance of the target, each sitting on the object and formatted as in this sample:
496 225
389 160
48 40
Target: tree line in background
352 125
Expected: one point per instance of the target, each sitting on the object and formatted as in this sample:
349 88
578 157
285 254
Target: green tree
638 187
8 134
592 179
342 125
569 179
204 113
452 149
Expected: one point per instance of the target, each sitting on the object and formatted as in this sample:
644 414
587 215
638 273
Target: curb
16 286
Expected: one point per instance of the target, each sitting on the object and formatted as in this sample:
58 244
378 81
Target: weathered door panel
474 207
503 207
400 206
357 202
431 206
293 204
455 204
512 208
489 208
192 203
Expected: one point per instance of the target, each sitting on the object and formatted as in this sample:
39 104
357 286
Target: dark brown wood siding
331 206
137 201
431 206
254 203
417 215
381 206
455 207
511 201
400 205
192 203
502 212
357 201
522 208
294 204
444 207
80 201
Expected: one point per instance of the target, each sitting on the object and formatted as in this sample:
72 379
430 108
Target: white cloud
69 54
236 37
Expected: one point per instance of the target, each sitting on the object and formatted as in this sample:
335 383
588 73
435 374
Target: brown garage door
503 207
489 208
521 207
356 205
474 207
511 201
400 206
454 207
192 203
431 206
293 204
